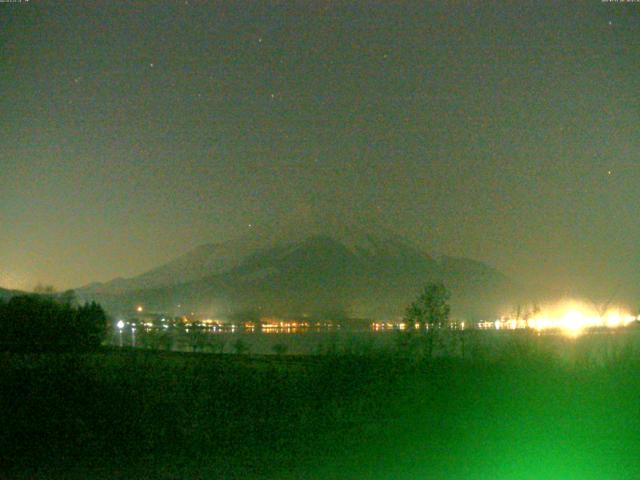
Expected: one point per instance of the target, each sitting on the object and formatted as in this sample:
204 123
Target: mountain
7 294
200 262
217 258
318 267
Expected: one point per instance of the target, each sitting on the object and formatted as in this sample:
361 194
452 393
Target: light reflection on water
597 344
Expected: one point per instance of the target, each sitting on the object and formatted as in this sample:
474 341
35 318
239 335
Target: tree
90 325
41 289
68 297
35 323
430 311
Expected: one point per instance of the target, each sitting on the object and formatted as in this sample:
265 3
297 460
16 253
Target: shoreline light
570 317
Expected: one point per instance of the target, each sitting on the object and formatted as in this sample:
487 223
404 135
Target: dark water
595 346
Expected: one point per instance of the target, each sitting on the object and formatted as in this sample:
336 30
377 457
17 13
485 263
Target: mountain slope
217 258
306 269
200 262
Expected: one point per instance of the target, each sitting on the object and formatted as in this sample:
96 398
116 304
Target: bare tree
430 311
41 289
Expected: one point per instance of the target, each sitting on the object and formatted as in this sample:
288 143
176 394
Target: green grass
136 414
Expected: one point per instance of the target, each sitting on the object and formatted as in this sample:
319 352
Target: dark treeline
49 323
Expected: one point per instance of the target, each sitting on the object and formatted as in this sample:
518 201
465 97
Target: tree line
49 322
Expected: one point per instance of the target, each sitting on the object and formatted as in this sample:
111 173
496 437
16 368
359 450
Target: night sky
132 132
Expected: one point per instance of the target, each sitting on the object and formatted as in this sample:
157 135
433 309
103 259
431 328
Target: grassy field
139 414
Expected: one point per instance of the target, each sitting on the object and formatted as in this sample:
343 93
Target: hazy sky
508 132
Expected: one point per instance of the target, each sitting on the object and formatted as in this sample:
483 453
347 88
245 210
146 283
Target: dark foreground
145 415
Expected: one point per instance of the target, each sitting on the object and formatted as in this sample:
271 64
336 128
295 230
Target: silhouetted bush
41 323
279 348
241 347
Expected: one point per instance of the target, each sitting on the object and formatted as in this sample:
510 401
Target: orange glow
570 317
